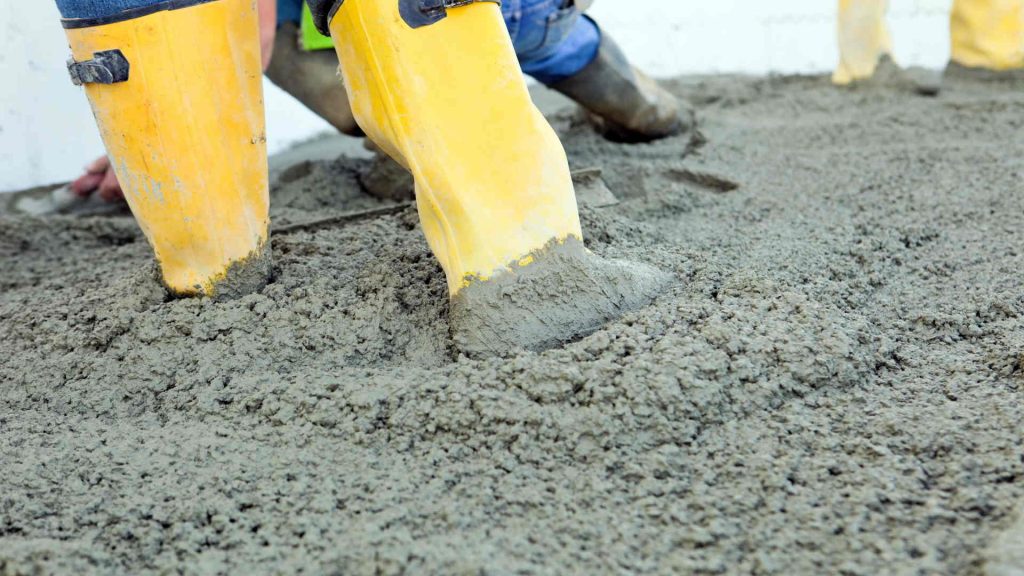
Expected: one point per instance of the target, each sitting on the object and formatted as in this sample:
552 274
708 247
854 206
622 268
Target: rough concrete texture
246 276
1006 555
832 384
564 293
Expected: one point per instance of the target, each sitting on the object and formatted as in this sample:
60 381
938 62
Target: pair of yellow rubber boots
178 99
985 34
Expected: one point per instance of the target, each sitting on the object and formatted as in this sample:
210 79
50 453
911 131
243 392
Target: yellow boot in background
863 39
988 34
178 99
445 98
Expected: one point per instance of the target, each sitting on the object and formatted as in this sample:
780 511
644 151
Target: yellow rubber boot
446 99
988 34
863 39
178 99
449 103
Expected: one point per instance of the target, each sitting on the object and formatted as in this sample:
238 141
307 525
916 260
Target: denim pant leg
106 9
553 40
289 11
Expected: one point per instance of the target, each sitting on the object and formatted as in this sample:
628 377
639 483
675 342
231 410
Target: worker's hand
268 29
99 178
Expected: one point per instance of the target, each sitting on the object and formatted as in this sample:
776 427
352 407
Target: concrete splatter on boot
566 292
500 214
199 194
625 104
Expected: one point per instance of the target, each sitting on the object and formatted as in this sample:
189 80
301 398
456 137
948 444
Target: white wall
47 133
669 37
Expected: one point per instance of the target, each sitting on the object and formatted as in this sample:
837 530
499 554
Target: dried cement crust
566 292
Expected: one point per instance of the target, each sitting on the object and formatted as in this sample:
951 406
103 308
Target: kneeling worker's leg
310 76
175 88
988 34
440 91
567 51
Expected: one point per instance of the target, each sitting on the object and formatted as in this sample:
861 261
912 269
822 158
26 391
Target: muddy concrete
563 293
1005 557
243 277
832 383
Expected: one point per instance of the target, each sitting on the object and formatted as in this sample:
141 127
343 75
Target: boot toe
668 116
566 293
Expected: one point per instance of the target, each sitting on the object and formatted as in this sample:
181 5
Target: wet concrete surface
832 383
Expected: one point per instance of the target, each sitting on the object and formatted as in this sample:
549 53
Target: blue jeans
104 10
552 41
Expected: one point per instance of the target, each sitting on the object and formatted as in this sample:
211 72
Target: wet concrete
831 384
1005 557
246 276
565 292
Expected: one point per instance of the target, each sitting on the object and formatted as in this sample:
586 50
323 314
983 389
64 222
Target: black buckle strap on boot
107 67
419 13
323 12
415 13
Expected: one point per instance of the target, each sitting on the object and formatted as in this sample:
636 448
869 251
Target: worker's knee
553 41
538 27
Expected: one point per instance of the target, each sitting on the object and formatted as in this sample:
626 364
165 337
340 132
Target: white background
47 133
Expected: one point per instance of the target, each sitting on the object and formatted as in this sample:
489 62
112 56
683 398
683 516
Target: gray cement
1005 557
832 383
246 276
564 293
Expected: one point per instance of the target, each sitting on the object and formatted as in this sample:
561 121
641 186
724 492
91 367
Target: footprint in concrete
702 179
